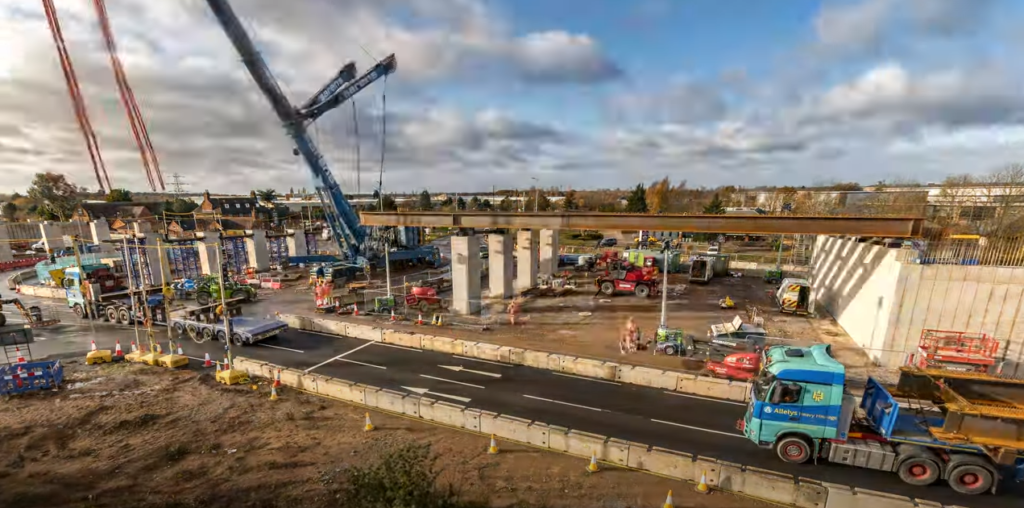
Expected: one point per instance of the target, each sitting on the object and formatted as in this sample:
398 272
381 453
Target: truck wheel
203 299
124 316
607 288
237 339
670 350
221 336
79 311
111 314
793 449
192 330
179 329
207 334
970 479
918 471
424 306
642 290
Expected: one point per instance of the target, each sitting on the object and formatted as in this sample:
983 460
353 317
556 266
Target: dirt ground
131 435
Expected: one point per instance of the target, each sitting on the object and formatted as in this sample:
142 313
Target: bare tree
1003 193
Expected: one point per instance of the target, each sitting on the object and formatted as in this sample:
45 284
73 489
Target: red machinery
737 367
961 351
629 279
423 298
609 260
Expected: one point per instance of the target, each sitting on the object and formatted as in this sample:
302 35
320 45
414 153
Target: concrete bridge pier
548 251
526 252
466 265
296 242
256 248
500 260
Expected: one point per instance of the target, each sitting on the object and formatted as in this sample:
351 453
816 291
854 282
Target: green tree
387 202
425 203
569 201
543 203
447 202
637 200
715 206
505 205
119 196
460 204
10 210
58 196
180 205
474 203
486 205
267 195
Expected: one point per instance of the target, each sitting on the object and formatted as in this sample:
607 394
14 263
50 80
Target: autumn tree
658 195
637 200
388 203
543 203
10 210
780 199
474 203
569 202
57 197
897 198
1003 193
119 196
816 203
505 205
424 202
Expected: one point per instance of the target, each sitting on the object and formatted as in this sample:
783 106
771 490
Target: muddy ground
131 435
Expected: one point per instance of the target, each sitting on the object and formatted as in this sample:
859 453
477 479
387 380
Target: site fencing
966 251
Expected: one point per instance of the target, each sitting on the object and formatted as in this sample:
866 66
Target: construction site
229 357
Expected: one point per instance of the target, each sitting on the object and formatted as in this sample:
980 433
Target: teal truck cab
800 408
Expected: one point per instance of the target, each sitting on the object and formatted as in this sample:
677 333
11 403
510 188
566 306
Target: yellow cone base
173 361
368 426
232 377
133 357
592 467
98 356
273 393
151 358
702 486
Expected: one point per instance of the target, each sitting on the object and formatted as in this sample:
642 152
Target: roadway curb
692 384
730 477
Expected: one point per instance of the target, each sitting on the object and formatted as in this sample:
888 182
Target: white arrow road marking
346 353
706 398
450 381
424 391
700 429
279 347
564 403
461 368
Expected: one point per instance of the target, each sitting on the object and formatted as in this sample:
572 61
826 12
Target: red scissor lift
962 351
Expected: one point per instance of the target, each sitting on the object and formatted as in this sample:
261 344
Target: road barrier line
587 378
279 347
396 346
450 381
566 403
733 434
705 398
483 361
346 353
361 363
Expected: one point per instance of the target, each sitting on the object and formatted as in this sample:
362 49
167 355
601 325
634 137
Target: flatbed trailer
799 407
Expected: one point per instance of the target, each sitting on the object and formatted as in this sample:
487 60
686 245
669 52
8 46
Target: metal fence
977 251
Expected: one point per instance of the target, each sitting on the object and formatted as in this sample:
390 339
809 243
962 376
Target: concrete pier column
296 242
53 236
6 253
548 251
100 232
526 253
208 246
466 274
156 270
499 256
259 254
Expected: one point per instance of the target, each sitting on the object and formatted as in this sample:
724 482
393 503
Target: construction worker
513 311
627 342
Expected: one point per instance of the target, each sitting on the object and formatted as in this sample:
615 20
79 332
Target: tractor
629 279
208 291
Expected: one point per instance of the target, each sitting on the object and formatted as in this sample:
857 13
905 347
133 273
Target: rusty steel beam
882 227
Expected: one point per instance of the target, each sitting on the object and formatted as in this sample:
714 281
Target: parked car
713 249
608 242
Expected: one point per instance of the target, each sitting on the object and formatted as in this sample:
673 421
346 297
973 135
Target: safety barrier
20 263
599 369
42 291
725 476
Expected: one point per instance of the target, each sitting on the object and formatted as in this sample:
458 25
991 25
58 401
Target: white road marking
279 347
587 378
733 434
706 398
461 369
194 358
564 403
400 347
346 353
484 361
41 338
361 363
424 391
450 381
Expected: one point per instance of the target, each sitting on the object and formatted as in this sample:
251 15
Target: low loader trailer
964 429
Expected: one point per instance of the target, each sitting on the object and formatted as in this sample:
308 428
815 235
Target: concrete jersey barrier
726 476
599 369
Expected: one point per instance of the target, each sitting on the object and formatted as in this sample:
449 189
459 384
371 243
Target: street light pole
536 194
223 301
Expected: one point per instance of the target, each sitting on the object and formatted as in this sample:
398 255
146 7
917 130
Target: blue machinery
136 262
236 256
358 245
278 248
183 259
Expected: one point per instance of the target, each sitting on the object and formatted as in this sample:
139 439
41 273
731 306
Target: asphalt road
696 425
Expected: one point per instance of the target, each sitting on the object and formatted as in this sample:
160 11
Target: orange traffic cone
355 309
393 318
93 345
592 467
21 359
668 501
117 349
273 392
226 365
493 449
702 487
134 347
207 362
368 426
277 379
419 318
180 353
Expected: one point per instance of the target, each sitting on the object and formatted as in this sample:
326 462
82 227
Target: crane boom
341 218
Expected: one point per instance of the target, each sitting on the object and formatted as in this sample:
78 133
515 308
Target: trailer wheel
207 334
124 316
179 328
642 290
918 471
237 339
793 449
970 479
221 336
111 314
607 288
203 299
424 306
79 311
193 331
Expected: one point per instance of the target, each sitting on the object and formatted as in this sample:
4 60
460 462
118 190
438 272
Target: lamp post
536 193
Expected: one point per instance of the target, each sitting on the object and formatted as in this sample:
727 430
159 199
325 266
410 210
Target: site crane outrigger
359 245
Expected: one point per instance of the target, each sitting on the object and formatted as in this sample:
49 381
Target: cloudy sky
572 93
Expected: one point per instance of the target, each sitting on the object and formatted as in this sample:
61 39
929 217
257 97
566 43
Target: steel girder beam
882 227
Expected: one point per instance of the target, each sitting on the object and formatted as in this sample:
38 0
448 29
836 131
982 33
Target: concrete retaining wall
43 291
632 374
726 476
